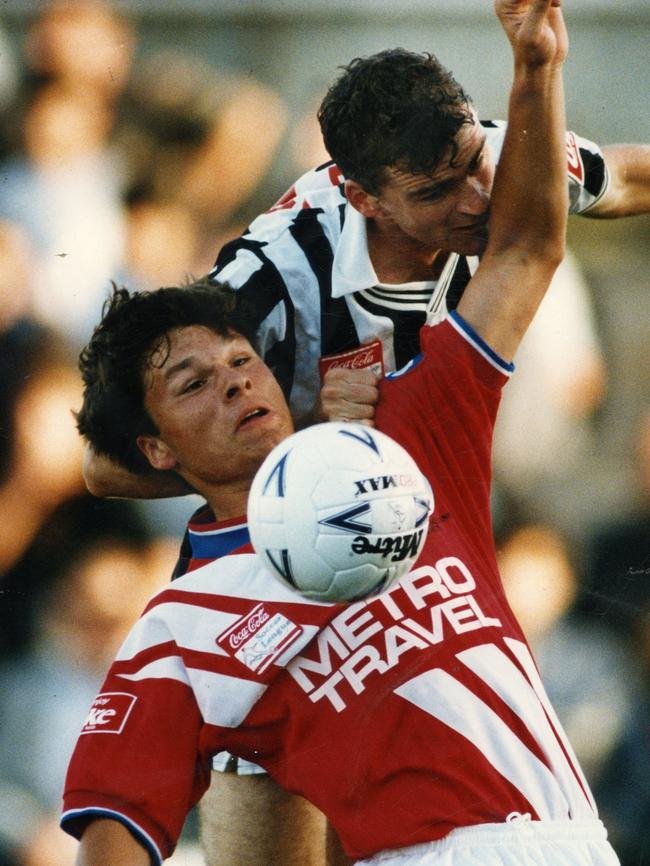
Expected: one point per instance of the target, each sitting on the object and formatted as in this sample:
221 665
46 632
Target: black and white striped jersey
305 266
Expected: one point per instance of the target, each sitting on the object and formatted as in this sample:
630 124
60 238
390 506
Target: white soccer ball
339 511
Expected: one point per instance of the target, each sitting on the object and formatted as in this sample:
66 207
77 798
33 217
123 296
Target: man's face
447 209
218 409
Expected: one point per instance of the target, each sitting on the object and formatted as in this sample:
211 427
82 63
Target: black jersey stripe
263 291
594 166
406 324
337 328
459 281
407 297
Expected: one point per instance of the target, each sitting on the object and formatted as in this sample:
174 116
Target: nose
476 196
238 382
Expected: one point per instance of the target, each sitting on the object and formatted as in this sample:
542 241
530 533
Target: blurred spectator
88 600
43 463
182 145
64 192
9 81
544 436
619 566
163 245
18 333
84 45
16 276
306 148
625 781
197 136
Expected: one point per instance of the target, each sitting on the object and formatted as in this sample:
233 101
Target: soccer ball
339 511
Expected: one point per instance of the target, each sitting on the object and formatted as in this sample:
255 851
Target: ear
367 204
156 452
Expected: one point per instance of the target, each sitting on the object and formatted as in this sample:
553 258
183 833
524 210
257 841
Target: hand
349 395
535 29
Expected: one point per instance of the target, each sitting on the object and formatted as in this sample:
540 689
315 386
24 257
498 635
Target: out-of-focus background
135 138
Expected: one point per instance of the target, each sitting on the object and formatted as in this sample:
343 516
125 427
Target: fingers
349 395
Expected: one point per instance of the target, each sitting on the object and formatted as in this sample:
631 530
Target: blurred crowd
134 167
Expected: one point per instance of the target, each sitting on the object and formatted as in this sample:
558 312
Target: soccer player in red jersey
415 721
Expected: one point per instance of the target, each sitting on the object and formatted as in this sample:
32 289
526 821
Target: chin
471 246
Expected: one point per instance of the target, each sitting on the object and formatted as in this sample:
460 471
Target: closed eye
433 193
194 385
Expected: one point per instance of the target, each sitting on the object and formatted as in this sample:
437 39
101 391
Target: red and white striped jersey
401 717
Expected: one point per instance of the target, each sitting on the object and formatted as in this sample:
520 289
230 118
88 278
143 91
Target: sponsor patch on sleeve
260 637
109 713
574 161
370 356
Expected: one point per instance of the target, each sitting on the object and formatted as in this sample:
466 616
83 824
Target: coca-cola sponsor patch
109 713
259 637
370 356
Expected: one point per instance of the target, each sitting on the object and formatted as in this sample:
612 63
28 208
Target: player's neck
397 258
226 502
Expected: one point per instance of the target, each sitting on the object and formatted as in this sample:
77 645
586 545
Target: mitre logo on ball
339 511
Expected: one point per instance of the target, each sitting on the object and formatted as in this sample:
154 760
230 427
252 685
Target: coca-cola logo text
253 624
356 362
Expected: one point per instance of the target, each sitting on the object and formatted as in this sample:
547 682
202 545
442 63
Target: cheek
486 177
430 218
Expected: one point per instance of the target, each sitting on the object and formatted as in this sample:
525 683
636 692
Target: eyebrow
179 367
437 186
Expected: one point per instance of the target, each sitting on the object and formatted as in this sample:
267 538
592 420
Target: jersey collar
211 539
352 270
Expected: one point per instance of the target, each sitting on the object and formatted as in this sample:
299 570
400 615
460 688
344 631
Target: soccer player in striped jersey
350 256
416 720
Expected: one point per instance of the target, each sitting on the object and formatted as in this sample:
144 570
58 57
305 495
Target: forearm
628 191
530 201
109 843
105 478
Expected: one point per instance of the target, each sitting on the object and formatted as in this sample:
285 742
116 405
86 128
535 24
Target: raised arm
529 201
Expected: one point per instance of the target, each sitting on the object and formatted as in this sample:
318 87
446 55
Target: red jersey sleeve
137 758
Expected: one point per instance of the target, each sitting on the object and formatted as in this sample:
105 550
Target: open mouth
251 416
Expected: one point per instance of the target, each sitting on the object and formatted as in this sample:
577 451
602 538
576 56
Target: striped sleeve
586 168
283 263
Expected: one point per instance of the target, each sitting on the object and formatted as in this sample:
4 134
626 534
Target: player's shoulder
451 346
316 195
310 213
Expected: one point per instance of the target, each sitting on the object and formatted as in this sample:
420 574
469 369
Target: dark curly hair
392 109
134 328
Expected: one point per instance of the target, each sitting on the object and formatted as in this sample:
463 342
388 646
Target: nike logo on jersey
108 713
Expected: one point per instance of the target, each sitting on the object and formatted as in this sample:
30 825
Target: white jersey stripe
167 668
241 269
150 631
525 660
449 701
236 697
495 668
